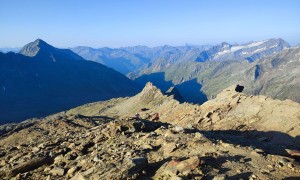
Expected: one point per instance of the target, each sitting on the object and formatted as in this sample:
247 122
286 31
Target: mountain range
201 72
88 121
133 59
7 49
41 80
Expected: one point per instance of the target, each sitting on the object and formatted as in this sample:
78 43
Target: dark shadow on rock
212 162
292 178
245 175
145 125
191 92
216 163
94 117
297 140
270 142
152 168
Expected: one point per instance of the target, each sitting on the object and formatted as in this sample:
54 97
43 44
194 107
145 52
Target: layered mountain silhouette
42 79
139 58
267 67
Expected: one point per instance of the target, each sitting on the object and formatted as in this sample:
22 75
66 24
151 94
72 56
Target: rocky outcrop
233 110
232 136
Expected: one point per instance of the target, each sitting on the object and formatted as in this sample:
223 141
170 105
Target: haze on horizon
144 22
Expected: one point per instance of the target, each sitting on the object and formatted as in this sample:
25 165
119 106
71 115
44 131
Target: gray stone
168 148
57 171
2 154
220 177
72 170
134 165
35 149
178 129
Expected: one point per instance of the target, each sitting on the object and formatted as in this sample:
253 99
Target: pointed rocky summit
32 49
44 51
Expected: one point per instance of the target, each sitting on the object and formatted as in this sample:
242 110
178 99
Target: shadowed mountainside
42 80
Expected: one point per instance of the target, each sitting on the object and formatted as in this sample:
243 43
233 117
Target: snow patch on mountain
239 47
252 50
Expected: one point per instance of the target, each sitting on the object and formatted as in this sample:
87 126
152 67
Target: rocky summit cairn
233 136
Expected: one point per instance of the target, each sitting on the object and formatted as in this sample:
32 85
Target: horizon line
119 47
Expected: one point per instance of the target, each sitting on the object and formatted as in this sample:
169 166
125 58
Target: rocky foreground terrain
233 136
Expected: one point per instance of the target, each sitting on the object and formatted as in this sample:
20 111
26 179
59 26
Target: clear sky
115 23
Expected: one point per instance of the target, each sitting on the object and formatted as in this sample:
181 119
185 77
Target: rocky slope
233 136
42 79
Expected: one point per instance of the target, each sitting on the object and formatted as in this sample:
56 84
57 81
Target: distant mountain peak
31 49
279 41
47 52
225 44
40 43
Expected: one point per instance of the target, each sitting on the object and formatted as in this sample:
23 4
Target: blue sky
115 23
